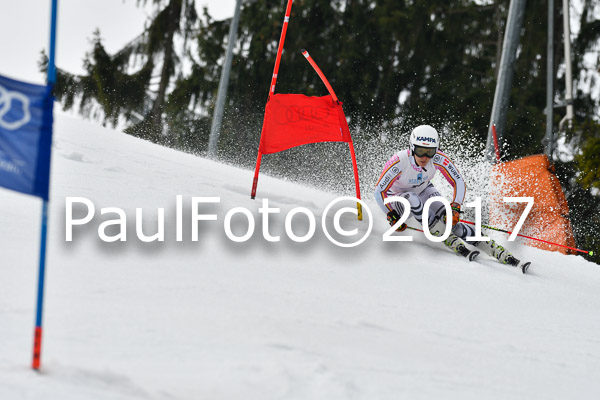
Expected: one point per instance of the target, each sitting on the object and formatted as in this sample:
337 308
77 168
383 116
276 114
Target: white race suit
403 177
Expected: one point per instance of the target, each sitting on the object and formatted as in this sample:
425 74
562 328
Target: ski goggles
424 151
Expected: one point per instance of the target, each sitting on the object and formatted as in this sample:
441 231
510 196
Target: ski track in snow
216 319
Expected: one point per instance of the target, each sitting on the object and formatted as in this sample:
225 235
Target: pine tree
121 84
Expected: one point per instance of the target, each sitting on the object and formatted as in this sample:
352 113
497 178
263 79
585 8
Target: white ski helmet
424 136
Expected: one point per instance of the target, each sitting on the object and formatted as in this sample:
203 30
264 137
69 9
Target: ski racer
409 173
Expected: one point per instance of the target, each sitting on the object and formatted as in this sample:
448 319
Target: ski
494 250
502 255
513 262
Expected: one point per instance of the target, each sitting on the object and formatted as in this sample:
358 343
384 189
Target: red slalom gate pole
320 73
255 180
350 144
496 143
355 167
591 253
286 20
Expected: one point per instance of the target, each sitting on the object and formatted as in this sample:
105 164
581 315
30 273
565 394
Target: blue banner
25 136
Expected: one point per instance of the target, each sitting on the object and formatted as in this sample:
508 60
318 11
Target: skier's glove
455 213
392 218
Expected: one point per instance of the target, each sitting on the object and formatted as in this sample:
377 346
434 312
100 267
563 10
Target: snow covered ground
217 319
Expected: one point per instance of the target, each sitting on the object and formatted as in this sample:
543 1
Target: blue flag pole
51 80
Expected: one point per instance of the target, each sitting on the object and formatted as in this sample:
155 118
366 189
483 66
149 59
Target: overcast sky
24 31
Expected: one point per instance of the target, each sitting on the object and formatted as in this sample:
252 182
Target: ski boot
497 251
453 242
515 262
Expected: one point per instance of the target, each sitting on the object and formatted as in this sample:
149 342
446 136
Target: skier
409 173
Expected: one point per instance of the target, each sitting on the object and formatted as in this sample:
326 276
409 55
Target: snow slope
216 319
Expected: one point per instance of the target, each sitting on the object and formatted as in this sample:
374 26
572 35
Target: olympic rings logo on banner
7 98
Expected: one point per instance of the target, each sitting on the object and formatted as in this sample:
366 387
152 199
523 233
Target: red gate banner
295 119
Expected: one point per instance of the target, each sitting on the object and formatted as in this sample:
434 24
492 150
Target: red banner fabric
295 119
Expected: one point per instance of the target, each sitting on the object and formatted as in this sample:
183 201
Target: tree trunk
165 75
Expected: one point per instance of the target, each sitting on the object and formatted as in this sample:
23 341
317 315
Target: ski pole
591 253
